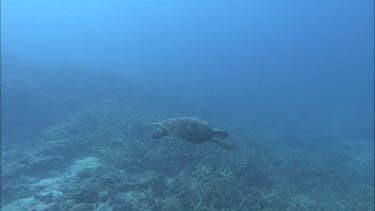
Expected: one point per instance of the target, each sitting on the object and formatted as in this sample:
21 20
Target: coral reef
103 158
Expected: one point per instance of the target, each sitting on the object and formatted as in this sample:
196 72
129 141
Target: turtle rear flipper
223 145
220 133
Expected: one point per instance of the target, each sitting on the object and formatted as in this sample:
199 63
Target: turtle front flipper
159 133
223 145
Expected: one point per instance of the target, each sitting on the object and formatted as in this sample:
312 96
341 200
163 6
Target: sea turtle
190 129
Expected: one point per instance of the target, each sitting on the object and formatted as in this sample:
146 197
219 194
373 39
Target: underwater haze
291 82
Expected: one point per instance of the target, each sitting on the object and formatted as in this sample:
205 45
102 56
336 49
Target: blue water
292 82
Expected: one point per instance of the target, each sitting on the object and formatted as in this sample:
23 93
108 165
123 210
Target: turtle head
219 133
159 133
